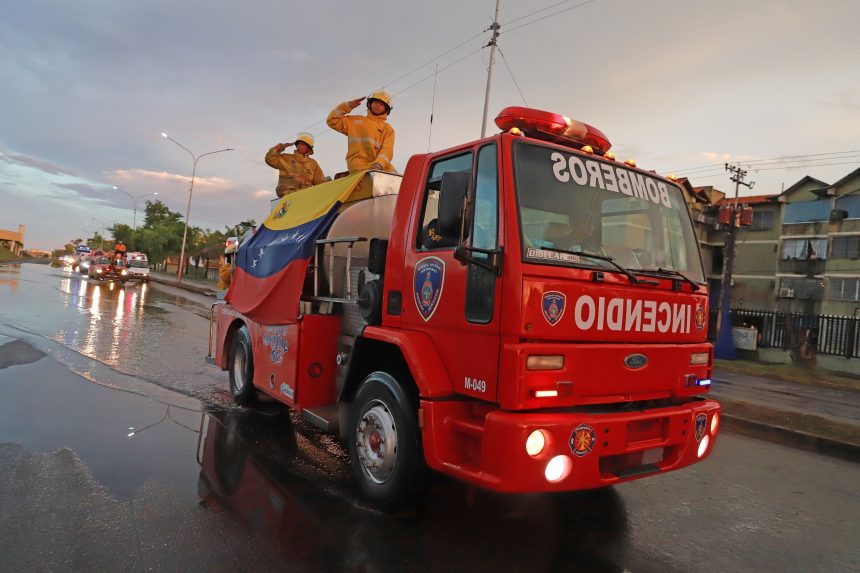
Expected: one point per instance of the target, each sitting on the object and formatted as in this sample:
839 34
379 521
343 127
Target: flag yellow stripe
308 204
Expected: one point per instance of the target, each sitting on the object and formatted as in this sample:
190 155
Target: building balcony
806 267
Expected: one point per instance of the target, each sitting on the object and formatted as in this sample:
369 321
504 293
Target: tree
124 233
157 213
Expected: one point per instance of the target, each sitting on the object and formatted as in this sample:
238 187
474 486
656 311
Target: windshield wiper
630 276
671 272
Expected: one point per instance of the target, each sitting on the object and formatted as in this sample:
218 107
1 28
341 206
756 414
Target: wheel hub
376 441
239 370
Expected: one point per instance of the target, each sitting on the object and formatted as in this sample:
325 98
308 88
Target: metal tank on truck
521 312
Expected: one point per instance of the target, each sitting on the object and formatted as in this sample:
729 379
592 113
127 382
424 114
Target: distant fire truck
520 312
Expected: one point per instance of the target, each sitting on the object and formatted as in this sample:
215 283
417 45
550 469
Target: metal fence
834 335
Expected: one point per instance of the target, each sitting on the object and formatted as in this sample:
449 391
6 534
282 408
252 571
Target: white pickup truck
138 266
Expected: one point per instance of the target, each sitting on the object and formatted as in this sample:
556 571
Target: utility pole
492 43
725 347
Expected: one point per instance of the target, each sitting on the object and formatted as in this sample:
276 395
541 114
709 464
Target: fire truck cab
520 312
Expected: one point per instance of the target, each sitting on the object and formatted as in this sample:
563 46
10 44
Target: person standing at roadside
225 271
370 139
296 170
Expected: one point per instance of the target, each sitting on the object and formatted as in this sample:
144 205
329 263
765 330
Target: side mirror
452 195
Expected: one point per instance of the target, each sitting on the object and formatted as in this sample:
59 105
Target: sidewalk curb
186 286
793 438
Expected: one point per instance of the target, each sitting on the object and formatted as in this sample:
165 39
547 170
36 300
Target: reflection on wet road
136 328
475 529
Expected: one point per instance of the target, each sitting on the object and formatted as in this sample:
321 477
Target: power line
709 175
802 166
529 15
794 165
765 160
505 60
535 21
431 60
425 78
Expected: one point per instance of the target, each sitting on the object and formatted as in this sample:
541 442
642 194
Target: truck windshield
571 203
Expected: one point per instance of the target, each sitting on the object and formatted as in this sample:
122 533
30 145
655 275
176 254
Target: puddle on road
46 407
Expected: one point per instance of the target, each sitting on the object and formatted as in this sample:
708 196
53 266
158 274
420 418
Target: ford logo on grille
636 361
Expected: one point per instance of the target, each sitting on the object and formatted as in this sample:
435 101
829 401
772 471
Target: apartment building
801 252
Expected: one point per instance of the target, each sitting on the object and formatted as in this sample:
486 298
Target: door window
428 234
480 281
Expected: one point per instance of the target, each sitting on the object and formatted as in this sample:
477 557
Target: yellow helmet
382 96
306 138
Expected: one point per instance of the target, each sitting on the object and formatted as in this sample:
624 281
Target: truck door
458 304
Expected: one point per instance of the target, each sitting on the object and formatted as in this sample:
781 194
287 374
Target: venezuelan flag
271 267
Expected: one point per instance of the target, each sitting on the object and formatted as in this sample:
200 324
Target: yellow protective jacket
370 138
296 171
225 276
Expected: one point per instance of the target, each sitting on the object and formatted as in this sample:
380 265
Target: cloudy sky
88 86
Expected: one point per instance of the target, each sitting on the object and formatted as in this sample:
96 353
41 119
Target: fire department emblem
282 210
582 440
428 282
701 423
700 317
552 305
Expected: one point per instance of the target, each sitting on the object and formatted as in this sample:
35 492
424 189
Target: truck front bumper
581 449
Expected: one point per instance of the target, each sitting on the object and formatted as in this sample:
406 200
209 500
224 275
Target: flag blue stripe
269 251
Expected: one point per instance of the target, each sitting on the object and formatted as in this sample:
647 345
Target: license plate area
646 430
652 456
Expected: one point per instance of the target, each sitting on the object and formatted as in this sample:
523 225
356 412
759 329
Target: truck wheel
241 368
384 445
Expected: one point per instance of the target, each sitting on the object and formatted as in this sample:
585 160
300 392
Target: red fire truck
522 312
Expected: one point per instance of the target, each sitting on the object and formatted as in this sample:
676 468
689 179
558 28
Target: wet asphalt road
202 485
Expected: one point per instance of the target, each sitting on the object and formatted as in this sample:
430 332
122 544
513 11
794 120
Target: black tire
384 442
241 367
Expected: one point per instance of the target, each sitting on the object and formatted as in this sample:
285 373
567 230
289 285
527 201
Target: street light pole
190 192
134 202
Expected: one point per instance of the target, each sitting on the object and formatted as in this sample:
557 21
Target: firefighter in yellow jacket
297 170
370 142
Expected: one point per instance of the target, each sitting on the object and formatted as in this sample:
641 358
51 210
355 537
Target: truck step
323 417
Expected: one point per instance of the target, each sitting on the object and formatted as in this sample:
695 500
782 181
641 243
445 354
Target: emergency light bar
552 127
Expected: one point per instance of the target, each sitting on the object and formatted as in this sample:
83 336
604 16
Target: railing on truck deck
320 255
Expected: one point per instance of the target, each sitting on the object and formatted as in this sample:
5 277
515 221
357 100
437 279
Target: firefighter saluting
297 170
370 143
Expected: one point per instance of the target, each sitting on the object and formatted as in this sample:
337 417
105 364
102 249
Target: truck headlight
703 445
557 469
535 443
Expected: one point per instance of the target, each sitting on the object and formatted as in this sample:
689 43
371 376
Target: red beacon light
553 127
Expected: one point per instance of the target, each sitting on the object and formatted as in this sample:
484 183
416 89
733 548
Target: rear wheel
241 367
384 443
